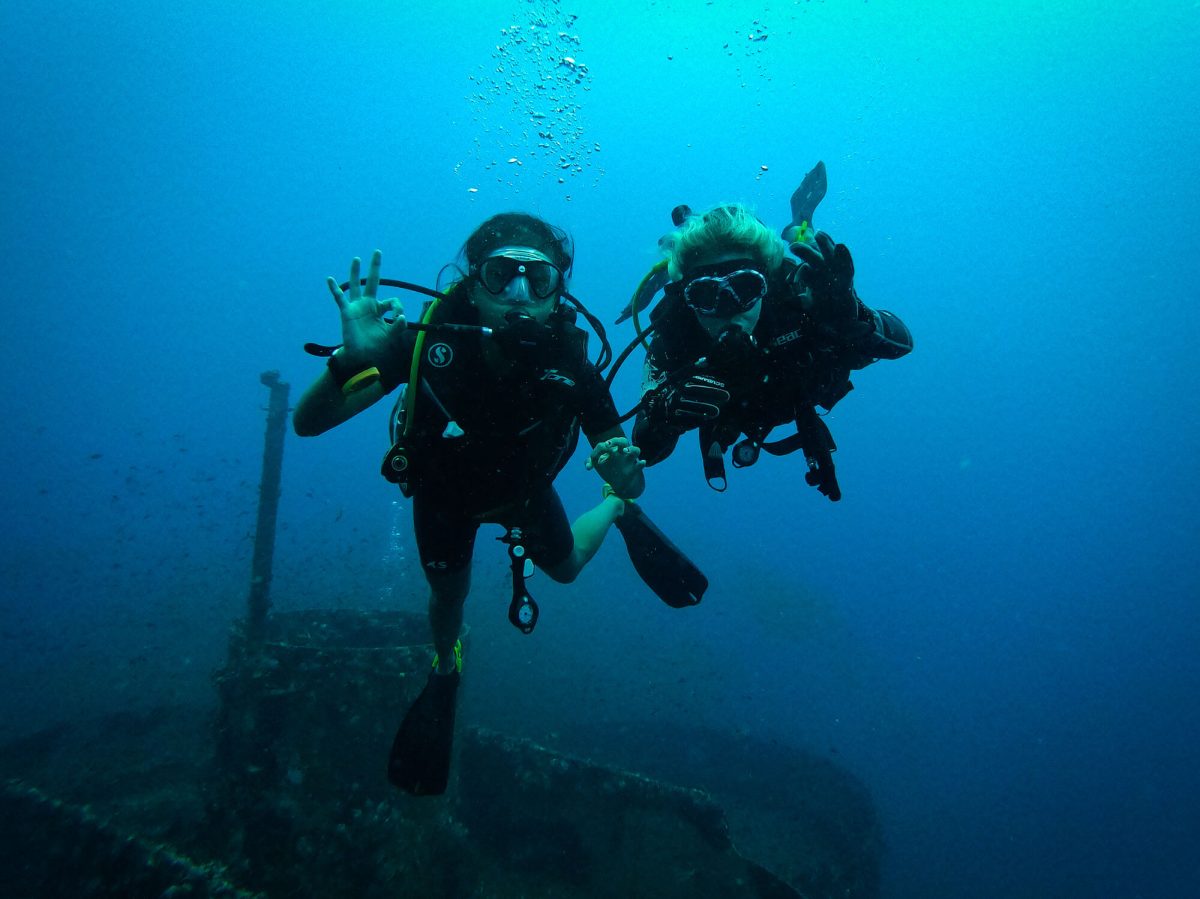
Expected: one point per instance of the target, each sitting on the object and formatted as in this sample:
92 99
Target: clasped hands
619 463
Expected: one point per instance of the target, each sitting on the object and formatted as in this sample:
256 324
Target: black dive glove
688 403
827 271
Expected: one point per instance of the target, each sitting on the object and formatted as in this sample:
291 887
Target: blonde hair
731 227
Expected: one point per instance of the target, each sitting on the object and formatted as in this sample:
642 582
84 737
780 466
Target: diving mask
726 289
506 264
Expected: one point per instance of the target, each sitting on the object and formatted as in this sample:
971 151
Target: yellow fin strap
457 657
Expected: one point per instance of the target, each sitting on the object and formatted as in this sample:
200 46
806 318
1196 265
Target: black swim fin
420 759
808 196
654 281
661 564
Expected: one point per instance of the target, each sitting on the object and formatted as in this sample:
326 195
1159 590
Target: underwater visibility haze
994 631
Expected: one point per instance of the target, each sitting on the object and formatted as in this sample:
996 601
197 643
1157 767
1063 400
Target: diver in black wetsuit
746 339
498 388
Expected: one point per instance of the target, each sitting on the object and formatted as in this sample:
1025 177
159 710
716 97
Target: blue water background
996 629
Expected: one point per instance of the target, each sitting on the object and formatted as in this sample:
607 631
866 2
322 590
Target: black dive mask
724 289
496 272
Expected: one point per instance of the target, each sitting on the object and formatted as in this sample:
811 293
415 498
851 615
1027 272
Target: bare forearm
324 405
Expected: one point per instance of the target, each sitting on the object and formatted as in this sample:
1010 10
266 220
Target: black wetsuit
775 378
518 430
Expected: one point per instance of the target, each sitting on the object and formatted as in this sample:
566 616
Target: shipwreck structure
281 792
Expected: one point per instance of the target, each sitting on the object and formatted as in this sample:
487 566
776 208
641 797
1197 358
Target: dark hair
519 229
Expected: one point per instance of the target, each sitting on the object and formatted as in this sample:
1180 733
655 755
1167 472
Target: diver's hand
619 462
827 270
365 332
689 403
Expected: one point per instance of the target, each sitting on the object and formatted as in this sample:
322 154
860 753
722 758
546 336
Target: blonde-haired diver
747 338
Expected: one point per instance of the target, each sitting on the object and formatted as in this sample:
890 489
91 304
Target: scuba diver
497 388
746 339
